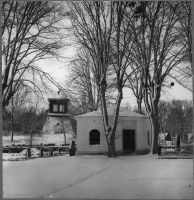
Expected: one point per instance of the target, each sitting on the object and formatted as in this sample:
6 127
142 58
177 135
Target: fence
172 151
70 148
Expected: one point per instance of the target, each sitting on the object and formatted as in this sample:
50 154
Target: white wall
51 121
86 124
142 142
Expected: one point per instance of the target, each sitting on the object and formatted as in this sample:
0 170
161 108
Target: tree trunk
111 145
111 136
31 138
171 137
164 139
64 138
6 100
152 109
12 133
12 122
31 129
139 106
12 128
63 130
155 131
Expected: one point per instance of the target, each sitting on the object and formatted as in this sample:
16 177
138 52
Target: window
55 108
57 128
94 137
148 135
61 108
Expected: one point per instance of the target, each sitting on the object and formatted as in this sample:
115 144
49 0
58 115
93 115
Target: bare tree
183 74
31 31
31 119
83 85
127 106
65 127
164 109
158 53
163 114
16 107
135 83
185 27
101 28
180 118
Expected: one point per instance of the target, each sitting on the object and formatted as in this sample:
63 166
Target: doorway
128 141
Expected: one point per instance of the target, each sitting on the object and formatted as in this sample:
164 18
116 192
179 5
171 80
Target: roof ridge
110 110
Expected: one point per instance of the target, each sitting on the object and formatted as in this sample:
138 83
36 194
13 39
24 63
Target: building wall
51 121
142 137
86 124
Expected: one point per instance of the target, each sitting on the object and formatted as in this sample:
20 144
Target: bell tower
58 117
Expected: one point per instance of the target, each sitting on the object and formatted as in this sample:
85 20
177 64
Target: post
159 150
51 152
59 151
171 138
28 153
41 152
178 144
72 148
178 141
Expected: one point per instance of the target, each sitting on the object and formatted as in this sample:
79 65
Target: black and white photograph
97 99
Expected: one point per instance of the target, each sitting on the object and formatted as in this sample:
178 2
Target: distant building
132 133
57 117
190 138
164 136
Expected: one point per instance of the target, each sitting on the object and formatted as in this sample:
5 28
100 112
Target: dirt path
133 177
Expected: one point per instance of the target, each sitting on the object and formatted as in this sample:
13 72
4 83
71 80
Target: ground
124 177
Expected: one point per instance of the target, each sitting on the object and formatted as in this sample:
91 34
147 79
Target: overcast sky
59 69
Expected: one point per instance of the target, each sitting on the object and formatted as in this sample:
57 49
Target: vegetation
25 115
183 74
157 53
82 85
30 32
103 29
176 117
138 45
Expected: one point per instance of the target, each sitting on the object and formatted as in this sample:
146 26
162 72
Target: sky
58 69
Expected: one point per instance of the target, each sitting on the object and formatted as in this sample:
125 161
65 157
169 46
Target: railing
172 151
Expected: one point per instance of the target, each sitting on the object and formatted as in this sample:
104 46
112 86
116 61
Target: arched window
94 137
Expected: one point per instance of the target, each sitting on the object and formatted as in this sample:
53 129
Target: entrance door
128 141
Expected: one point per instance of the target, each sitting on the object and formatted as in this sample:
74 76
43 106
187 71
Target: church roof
122 113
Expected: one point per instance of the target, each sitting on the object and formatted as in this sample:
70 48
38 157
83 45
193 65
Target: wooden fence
45 150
